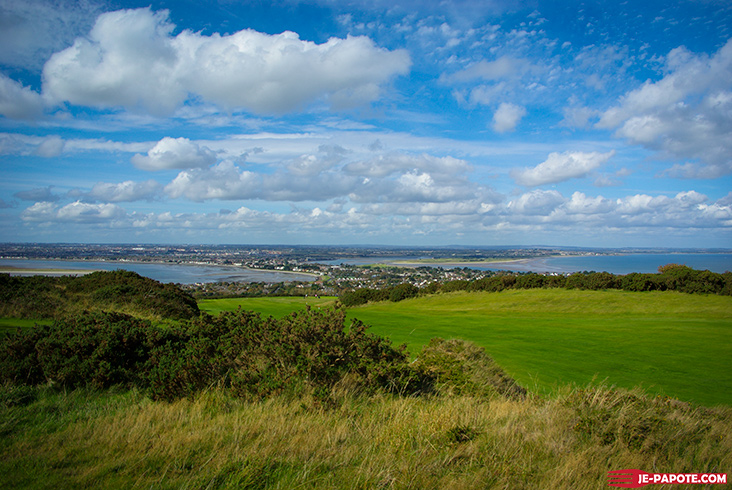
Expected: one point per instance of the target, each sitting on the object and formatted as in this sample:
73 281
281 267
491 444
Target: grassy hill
667 342
107 400
41 297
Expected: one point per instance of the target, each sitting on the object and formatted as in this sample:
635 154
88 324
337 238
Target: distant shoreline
22 271
468 263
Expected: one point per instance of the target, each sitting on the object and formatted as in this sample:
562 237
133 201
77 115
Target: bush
19 363
456 285
402 292
460 367
97 349
355 298
531 281
308 350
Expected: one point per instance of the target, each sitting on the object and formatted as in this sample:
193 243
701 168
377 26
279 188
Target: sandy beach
533 264
20 271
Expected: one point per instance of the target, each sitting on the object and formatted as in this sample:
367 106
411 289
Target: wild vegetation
105 399
41 297
669 343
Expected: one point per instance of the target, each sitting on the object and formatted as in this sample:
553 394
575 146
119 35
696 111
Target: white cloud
127 191
685 115
131 59
330 174
76 212
223 181
559 167
579 203
392 163
40 212
507 116
174 153
17 101
538 212
86 213
328 156
50 147
536 202
226 181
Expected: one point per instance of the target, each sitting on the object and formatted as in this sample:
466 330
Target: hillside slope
668 342
40 297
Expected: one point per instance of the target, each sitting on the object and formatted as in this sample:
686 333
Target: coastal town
332 269
294 270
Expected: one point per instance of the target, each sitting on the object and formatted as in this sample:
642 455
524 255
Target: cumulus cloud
131 59
559 167
685 115
507 116
226 181
536 202
395 162
17 101
174 153
328 156
76 212
127 191
329 174
537 211
579 203
86 213
684 212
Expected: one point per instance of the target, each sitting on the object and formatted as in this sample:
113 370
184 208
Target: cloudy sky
500 122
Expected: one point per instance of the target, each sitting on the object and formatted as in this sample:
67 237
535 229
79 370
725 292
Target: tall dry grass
214 441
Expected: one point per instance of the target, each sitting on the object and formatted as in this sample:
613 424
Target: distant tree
530 280
403 291
456 285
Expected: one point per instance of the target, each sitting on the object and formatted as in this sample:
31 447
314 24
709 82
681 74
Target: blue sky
598 123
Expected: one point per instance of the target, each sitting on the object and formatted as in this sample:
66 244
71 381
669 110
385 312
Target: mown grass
276 306
86 439
667 342
12 325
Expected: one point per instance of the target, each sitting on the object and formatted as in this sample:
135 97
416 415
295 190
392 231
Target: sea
195 273
165 273
615 264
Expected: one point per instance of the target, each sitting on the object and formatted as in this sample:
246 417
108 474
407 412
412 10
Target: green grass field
276 306
8 324
666 342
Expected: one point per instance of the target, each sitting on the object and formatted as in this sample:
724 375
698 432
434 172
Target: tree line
670 277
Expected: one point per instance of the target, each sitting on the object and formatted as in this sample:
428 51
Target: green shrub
460 367
309 350
19 362
456 285
402 292
97 349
